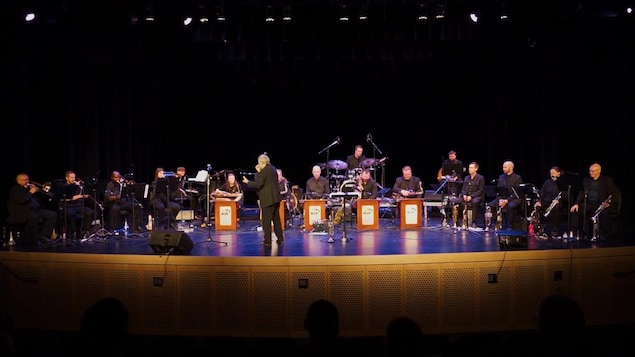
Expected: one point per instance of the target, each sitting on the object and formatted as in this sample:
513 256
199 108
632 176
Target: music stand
130 191
344 196
209 239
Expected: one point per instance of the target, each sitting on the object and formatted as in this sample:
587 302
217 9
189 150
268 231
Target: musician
595 193
449 174
550 196
407 185
165 208
184 195
354 160
231 190
367 188
118 199
473 191
285 193
317 187
25 206
508 195
266 183
73 202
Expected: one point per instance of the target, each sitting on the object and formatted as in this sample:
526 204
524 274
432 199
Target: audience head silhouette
559 313
106 317
403 338
322 320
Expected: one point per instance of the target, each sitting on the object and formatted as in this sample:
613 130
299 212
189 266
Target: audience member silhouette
7 345
403 337
104 330
323 325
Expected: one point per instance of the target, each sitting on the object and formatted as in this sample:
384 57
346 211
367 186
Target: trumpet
553 204
601 208
45 188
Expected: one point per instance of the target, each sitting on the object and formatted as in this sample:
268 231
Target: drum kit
343 176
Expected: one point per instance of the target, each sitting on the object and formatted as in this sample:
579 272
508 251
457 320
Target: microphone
494 181
369 137
209 167
336 142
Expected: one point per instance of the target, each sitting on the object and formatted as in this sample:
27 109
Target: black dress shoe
267 244
280 242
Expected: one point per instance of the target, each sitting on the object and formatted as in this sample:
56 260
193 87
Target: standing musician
117 201
71 199
407 185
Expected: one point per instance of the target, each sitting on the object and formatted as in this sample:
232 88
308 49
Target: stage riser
268 296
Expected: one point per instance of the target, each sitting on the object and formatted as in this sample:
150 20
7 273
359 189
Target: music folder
345 194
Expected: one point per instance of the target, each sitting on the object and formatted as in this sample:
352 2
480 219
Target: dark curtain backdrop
103 96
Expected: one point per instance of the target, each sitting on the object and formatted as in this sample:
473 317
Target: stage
230 284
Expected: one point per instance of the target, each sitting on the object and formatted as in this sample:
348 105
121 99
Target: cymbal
369 162
337 165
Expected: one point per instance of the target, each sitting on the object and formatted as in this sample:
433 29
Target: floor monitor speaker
173 242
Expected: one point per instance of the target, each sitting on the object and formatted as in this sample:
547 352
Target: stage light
287 15
343 13
440 13
474 17
187 21
363 12
423 12
29 17
269 14
220 13
504 15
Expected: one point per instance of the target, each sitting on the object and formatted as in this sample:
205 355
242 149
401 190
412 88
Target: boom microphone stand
209 239
327 149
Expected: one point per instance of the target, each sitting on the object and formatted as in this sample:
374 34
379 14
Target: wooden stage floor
247 240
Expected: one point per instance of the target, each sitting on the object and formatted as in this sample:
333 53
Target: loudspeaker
512 239
173 242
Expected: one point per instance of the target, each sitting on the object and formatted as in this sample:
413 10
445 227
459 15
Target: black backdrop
100 95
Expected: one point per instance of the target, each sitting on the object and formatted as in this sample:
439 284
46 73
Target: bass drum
348 186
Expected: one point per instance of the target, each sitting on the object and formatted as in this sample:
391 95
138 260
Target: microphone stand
327 149
376 149
209 239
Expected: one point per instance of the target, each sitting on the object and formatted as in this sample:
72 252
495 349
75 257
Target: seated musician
508 201
116 201
472 192
231 190
407 185
72 203
285 193
450 173
367 189
317 187
165 209
184 195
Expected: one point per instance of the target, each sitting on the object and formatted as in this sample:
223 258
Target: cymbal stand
376 150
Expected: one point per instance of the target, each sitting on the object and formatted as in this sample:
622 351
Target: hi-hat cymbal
369 162
337 165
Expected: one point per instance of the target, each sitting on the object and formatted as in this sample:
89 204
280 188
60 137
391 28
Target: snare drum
348 186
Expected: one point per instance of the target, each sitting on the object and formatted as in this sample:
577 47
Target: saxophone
499 219
464 222
553 204
488 217
339 215
455 214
